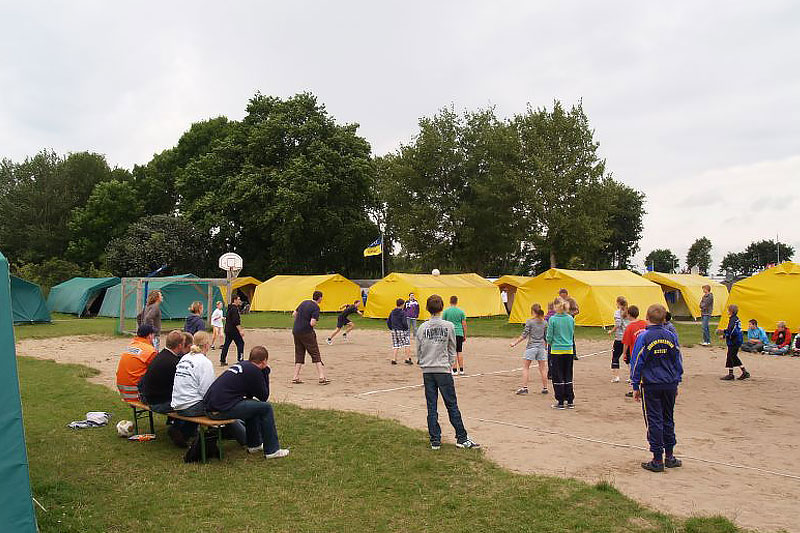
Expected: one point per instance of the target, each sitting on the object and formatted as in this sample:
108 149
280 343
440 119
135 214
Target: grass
346 471
497 326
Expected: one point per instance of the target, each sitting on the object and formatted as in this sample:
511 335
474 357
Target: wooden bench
204 424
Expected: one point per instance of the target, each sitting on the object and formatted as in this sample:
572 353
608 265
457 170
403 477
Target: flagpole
383 245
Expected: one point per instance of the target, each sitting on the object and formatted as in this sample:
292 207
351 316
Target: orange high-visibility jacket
132 365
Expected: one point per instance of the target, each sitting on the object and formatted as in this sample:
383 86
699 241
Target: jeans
412 325
232 337
442 382
189 428
706 331
259 421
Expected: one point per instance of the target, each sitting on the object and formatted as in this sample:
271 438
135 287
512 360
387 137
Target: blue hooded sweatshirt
656 361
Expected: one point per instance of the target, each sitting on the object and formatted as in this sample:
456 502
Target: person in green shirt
458 318
561 338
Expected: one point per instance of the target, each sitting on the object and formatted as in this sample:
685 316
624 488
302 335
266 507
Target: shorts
342 321
536 353
306 342
616 353
459 343
400 338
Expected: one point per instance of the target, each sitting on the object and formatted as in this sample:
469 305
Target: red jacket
787 338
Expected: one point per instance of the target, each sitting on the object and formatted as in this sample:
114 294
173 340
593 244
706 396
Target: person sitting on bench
134 361
194 374
242 392
155 387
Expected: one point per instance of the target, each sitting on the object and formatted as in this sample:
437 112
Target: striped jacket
132 366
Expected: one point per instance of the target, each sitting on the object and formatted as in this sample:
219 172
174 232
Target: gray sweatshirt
706 304
436 346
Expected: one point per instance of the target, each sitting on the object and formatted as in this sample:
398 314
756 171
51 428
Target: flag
376 248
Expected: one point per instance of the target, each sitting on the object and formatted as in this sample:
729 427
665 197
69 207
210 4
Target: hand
637 395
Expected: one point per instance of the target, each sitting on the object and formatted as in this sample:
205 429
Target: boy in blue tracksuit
656 371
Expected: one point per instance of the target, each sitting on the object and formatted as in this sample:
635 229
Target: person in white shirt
193 376
216 324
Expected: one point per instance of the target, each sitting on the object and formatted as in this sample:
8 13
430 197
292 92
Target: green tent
79 296
16 501
27 302
178 296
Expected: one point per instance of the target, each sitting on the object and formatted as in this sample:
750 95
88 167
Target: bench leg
152 428
219 442
202 435
135 421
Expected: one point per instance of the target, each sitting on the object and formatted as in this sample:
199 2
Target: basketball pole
383 245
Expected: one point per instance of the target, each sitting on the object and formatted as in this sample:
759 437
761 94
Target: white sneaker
705 344
467 444
615 379
455 372
257 449
628 380
277 454
461 372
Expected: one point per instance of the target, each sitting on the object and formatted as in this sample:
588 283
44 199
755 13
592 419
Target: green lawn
480 327
346 472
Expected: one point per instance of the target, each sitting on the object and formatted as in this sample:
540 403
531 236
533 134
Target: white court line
417 385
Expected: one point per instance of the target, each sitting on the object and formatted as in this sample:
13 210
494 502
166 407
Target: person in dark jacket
242 392
233 332
195 322
401 337
733 338
656 371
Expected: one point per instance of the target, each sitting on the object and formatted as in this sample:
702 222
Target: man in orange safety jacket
134 361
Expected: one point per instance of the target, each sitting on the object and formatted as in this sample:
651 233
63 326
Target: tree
757 256
110 209
42 192
735 264
625 222
662 260
287 188
159 240
562 182
699 255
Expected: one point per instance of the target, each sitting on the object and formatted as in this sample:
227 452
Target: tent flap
74 296
284 293
684 291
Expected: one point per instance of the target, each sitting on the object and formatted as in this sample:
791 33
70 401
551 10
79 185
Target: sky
696 104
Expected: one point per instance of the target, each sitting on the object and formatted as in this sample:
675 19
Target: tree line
755 257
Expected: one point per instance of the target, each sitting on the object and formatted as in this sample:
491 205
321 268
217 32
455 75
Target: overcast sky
697 104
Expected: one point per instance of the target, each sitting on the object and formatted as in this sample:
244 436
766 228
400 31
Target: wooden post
121 326
209 303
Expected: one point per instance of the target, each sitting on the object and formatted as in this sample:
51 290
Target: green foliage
160 240
53 271
756 257
39 196
699 255
625 213
662 260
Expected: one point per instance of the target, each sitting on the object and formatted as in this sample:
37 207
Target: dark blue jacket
194 324
397 319
239 381
656 358
733 333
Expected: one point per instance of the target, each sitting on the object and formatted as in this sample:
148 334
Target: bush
53 271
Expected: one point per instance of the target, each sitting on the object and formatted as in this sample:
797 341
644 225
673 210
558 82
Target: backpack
193 453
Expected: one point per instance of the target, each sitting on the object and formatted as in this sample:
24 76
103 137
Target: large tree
287 188
757 256
40 194
662 260
625 223
699 255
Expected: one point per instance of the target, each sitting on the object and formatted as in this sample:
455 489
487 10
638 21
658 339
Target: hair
316 296
633 311
144 330
656 314
563 291
551 306
200 339
781 324
188 338
400 302
733 308
174 339
707 287
535 308
219 302
258 354
668 317
538 312
435 304
453 299
196 308
622 302
753 321
153 296
560 306
356 302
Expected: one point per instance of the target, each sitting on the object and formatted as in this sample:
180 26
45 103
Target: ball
435 272
125 428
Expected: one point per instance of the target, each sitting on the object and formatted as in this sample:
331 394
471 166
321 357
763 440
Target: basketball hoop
231 263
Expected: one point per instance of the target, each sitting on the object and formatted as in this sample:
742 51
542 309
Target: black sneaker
728 377
223 363
570 405
436 445
629 394
574 357
409 361
672 462
558 406
394 362
653 466
745 375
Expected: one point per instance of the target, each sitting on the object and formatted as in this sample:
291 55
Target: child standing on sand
536 349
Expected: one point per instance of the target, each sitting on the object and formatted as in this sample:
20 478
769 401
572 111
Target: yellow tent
509 285
683 292
246 284
284 293
768 296
595 291
477 296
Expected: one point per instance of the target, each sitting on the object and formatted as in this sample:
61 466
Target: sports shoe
435 446
544 391
570 405
255 449
558 406
615 380
672 462
728 377
223 363
409 361
277 454
522 390
460 371
467 444
329 341
213 347
745 375
455 372
394 362
344 336
653 466
628 380
575 357
629 394
705 344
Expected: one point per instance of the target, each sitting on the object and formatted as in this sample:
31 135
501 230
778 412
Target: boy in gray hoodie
436 353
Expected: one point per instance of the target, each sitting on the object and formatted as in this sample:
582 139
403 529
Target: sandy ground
752 423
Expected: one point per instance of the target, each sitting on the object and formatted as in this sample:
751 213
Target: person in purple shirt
412 312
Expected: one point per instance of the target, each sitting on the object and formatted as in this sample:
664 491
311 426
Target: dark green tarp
16 503
178 297
79 296
27 302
